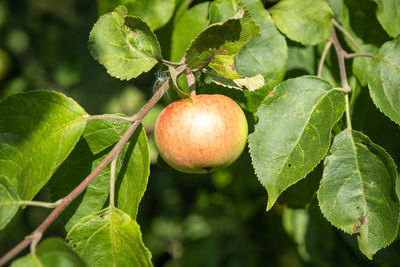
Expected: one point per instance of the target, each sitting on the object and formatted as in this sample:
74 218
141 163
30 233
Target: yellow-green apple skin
201 134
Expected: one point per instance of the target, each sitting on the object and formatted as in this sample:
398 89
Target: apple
201 134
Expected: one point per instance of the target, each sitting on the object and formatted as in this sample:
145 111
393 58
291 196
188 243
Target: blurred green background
186 220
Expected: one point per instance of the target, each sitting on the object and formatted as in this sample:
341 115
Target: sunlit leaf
51 252
37 132
357 192
109 238
293 132
8 195
125 45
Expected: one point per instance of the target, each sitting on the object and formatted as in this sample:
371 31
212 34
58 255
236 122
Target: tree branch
353 55
323 56
64 202
346 33
340 55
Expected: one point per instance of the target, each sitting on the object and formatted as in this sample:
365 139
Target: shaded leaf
357 192
219 43
312 234
304 21
109 238
38 130
51 252
384 79
155 13
388 14
186 28
293 132
131 175
8 194
125 45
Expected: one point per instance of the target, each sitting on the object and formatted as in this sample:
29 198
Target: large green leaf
388 14
220 42
293 132
109 238
384 79
51 252
125 45
132 170
186 28
8 195
156 13
357 192
37 132
304 21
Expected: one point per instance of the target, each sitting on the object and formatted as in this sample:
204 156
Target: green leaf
388 14
221 10
301 59
155 13
8 194
51 252
125 45
109 238
220 42
38 130
384 79
293 132
265 55
357 192
304 21
186 28
131 176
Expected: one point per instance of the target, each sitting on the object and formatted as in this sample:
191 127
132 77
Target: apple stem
191 82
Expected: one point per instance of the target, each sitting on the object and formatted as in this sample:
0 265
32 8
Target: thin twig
353 55
112 180
348 116
340 55
32 203
346 33
64 202
323 56
108 117
170 63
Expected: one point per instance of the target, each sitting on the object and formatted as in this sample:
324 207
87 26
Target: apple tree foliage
308 138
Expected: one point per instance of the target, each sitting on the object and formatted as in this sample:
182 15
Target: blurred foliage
187 220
